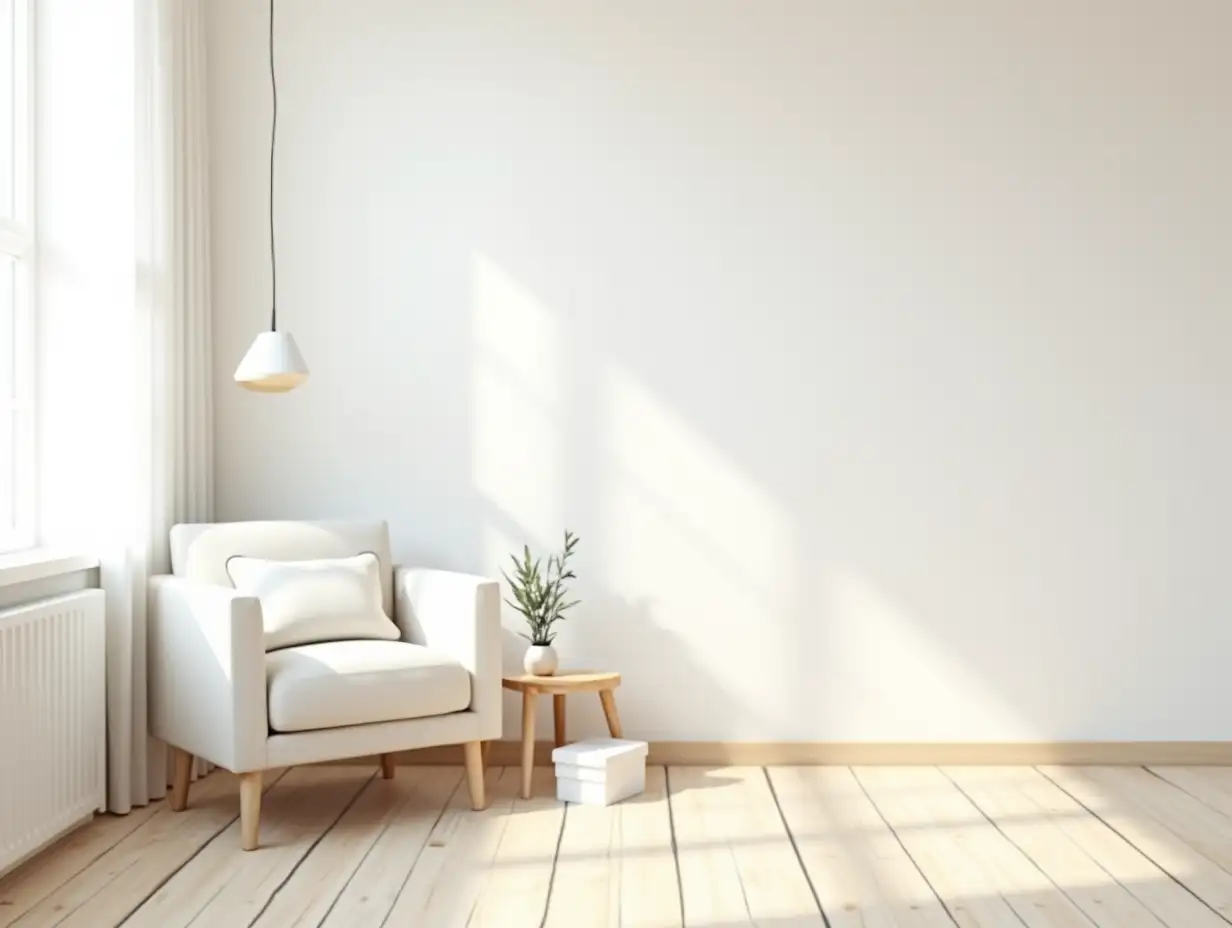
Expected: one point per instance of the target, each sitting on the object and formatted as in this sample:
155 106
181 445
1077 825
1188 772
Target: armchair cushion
339 683
199 551
303 602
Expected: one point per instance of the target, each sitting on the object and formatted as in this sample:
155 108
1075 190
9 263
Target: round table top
564 681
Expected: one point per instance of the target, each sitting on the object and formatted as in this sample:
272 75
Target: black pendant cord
273 145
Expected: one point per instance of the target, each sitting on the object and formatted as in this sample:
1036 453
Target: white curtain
126 418
173 334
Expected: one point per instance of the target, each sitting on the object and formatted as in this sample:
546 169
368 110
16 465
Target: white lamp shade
272 365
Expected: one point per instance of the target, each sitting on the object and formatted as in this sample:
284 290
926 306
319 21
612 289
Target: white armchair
217 694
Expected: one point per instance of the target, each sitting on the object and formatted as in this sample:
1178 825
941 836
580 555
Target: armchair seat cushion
338 683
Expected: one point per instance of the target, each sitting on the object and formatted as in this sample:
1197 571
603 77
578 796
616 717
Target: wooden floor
772 847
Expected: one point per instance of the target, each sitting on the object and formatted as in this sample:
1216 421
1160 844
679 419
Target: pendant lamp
273 364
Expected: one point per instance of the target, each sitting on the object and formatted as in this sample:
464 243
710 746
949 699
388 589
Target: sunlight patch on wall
725 516
683 529
904 674
515 332
516 442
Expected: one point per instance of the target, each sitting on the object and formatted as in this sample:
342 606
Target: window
16 277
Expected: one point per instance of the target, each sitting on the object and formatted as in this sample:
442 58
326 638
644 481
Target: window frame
17 240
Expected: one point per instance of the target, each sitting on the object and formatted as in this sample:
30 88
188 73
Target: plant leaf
539 589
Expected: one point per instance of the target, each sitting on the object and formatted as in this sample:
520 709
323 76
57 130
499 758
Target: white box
601 771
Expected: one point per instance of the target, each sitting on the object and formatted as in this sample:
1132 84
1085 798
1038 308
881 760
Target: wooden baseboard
854 753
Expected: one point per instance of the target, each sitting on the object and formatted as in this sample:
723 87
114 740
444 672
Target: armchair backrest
200 550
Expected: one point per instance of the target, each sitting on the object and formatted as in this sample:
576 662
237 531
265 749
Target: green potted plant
540 595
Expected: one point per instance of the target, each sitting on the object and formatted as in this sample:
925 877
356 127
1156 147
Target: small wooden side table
559 686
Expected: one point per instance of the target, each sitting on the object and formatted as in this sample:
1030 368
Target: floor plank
37 878
225 887
713 848
737 864
1037 835
1201 827
449 876
861 873
984 880
109 889
1123 812
1211 785
1171 902
370 893
615 866
515 894
416 794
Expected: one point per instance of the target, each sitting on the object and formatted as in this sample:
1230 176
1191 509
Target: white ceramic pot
540 660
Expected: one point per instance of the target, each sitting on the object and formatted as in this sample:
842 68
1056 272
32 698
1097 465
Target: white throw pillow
303 602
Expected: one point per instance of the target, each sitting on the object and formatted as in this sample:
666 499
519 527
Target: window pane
8 110
8 410
8 497
8 328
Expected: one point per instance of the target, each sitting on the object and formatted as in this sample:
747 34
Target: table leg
608 698
528 740
558 711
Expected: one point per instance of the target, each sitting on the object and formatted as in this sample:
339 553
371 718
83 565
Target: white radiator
52 722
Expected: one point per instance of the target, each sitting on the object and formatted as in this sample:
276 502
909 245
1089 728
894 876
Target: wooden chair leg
608 698
388 765
183 762
474 772
250 809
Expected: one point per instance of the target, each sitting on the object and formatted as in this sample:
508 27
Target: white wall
879 352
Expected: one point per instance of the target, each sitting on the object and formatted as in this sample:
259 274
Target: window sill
40 563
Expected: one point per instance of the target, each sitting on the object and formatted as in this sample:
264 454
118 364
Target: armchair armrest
459 615
207 672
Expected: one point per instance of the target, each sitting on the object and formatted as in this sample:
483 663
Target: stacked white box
601 771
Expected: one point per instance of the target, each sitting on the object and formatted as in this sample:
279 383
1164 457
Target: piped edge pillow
305 602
